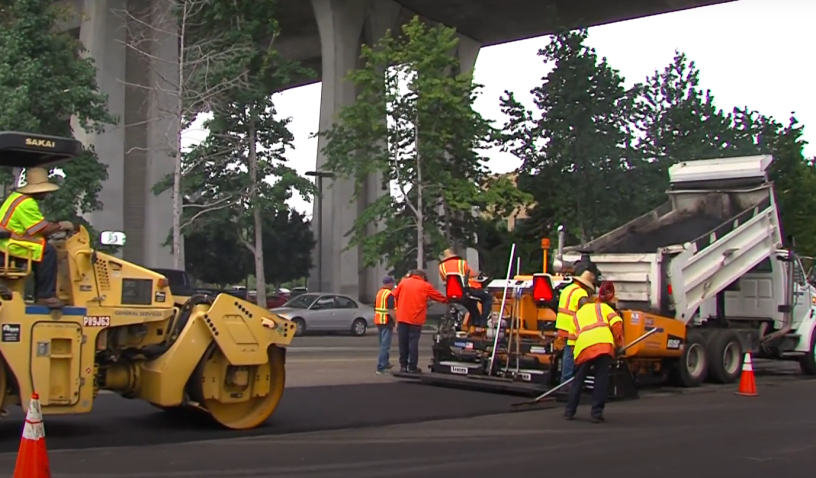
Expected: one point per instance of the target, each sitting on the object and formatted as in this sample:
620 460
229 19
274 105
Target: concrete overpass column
162 134
383 15
103 34
467 51
344 25
340 24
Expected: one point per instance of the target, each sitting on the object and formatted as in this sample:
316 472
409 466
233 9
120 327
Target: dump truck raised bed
713 260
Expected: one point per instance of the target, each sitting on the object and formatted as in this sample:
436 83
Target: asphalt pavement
391 428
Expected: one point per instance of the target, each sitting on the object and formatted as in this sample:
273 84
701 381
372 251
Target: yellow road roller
123 331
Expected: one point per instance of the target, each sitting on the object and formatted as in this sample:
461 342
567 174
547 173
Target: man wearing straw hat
21 216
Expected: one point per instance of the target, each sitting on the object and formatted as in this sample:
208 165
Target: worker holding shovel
598 334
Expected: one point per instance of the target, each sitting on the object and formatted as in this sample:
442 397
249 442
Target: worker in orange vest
598 338
452 263
386 321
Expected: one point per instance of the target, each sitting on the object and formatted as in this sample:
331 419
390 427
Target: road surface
383 428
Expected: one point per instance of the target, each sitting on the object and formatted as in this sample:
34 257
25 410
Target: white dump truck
714 259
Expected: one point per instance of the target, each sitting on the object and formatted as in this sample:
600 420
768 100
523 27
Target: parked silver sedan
317 312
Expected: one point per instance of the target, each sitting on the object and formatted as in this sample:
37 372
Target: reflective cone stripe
32 457
747 385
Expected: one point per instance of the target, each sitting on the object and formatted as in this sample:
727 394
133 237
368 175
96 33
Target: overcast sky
755 53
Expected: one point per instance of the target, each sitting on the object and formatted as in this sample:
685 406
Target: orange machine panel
665 344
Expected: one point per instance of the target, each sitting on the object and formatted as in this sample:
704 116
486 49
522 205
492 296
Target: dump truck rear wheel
692 367
724 351
807 363
245 414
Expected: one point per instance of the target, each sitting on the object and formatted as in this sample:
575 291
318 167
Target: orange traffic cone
32 457
747 385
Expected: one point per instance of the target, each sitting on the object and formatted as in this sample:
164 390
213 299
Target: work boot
414 370
598 419
569 416
389 366
51 303
403 369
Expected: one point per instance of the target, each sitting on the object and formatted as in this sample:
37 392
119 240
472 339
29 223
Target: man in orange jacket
413 294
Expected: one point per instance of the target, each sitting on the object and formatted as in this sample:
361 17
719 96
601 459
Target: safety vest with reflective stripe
23 226
567 307
592 326
381 306
454 265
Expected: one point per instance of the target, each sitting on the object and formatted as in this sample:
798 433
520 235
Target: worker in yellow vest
583 285
21 216
385 319
598 337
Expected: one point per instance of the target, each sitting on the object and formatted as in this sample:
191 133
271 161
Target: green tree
215 255
288 244
428 141
241 166
680 121
44 81
575 149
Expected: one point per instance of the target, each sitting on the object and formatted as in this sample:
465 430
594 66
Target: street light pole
319 175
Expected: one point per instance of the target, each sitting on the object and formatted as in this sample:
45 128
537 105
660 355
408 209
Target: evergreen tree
574 148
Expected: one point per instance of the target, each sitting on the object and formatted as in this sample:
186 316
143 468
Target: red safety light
542 288
670 289
454 287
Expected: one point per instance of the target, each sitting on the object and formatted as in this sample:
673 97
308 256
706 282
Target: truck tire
807 363
724 352
691 368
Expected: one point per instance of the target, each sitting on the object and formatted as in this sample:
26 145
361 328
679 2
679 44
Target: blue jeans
567 364
386 332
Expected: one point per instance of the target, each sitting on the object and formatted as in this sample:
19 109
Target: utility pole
319 176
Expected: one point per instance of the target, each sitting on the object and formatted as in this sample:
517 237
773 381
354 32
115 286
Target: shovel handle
563 384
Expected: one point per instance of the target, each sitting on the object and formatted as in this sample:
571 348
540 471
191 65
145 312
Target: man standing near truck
584 277
598 337
386 321
413 294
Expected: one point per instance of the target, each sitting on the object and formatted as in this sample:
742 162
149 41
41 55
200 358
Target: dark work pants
45 274
600 365
478 319
408 337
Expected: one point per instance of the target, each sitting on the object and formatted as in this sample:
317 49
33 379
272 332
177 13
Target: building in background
520 214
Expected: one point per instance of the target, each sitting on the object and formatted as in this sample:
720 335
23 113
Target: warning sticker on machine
10 333
673 342
96 321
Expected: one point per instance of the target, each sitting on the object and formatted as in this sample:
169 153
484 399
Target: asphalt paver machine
518 352
123 331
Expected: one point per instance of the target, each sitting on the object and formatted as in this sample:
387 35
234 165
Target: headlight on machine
269 323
